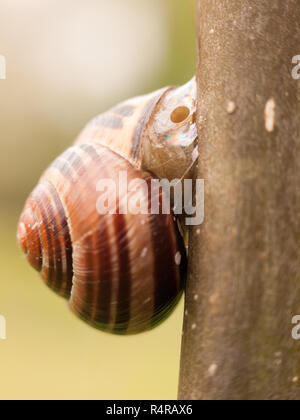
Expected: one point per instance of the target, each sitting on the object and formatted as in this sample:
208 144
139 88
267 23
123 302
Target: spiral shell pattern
120 272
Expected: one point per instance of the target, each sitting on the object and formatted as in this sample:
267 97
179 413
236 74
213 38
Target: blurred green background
66 62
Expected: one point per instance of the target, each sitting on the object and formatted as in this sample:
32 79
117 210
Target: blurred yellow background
66 62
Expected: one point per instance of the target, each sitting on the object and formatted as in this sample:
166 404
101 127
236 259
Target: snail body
122 272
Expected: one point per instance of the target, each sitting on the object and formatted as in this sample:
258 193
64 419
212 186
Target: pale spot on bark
231 107
213 369
278 358
270 114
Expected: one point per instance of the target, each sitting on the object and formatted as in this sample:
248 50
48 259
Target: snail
121 272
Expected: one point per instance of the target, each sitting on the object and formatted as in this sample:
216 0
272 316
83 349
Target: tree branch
244 278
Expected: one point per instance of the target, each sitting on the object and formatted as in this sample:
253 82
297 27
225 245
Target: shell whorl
121 273
118 270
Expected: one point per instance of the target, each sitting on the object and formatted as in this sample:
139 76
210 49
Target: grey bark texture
244 276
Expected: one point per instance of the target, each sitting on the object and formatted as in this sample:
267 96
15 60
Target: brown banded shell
122 273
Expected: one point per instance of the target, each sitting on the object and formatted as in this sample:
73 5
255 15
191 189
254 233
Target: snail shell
121 272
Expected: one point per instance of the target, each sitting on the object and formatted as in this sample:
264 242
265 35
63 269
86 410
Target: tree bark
244 277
